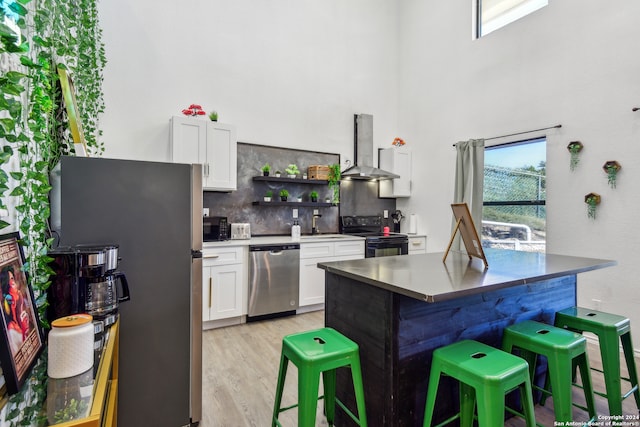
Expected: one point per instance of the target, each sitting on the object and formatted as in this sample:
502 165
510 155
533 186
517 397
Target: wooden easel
472 242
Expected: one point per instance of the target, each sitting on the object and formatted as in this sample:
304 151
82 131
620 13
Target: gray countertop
426 277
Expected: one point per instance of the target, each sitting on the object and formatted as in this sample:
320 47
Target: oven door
376 247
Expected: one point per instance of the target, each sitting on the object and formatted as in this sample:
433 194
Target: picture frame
21 337
73 114
464 223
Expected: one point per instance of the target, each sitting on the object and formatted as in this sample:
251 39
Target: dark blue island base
399 326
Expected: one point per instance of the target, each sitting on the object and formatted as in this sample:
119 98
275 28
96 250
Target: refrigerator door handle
196 339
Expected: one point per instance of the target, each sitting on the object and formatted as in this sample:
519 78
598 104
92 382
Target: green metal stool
609 328
486 375
563 350
316 352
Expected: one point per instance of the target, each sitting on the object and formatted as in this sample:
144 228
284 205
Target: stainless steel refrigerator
153 211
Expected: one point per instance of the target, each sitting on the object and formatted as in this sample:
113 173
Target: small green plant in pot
278 173
267 195
292 171
283 195
265 169
314 196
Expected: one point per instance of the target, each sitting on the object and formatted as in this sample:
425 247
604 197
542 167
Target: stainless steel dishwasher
273 279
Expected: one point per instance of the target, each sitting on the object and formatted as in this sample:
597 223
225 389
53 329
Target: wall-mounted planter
574 148
592 200
612 167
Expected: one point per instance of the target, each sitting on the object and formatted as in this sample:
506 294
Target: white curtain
469 183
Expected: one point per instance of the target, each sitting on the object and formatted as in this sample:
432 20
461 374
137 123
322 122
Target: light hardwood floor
241 369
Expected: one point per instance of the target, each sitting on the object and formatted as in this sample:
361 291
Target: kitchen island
400 309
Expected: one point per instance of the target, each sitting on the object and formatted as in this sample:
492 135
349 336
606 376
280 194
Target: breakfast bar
399 309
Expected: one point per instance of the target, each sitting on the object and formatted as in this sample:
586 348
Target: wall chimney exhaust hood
363 152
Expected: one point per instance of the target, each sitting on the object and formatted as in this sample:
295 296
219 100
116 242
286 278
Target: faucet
314 227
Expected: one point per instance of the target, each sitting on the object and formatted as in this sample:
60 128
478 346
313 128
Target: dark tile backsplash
356 197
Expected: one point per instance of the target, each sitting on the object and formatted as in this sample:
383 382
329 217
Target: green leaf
16 175
18 8
18 191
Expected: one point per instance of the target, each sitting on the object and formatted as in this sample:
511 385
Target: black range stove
378 241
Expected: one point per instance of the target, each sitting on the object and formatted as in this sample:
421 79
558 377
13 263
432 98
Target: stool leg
308 383
526 396
587 385
627 347
467 404
358 388
611 367
490 404
282 374
560 373
432 392
329 385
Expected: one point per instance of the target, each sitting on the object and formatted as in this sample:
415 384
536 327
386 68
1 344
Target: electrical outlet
295 213
385 213
316 212
205 211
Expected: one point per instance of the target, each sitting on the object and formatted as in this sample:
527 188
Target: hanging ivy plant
592 200
574 148
34 134
611 168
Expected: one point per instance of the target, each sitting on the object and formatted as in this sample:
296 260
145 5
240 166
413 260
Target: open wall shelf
288 203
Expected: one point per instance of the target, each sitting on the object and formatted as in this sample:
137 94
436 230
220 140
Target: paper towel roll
70 350
413 224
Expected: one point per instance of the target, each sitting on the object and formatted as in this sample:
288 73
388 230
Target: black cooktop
366 226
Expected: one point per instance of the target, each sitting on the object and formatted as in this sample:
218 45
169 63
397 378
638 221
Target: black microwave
215 228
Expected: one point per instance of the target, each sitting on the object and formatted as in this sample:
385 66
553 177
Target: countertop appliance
85 280
273 280
154 212
240 231
215 228
377 242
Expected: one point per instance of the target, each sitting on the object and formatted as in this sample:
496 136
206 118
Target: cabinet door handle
416 243
210 289
211 256
206 169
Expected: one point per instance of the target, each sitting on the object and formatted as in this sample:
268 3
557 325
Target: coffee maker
86 280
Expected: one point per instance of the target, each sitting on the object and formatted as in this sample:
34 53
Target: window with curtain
495 14
514 207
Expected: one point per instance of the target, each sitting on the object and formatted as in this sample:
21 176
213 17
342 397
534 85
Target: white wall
574 62
286 73
293 73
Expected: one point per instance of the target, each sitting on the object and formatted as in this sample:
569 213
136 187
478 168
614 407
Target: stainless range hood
363 152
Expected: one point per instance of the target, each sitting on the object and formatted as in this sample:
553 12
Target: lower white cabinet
312 277
224 282
417 245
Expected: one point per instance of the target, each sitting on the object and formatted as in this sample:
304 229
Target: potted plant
265 169
213 116
283 195
299 198
592 200
268 195
574 148
611 168
292 171
278 173
314 196
333 180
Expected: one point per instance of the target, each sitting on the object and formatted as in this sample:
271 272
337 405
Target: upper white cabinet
398 161
212 144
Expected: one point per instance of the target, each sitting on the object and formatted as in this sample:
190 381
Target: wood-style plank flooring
240 370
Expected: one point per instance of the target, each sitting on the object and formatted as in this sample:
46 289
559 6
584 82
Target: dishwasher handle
274 248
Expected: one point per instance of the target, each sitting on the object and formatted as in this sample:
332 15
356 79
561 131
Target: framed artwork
21 339
464 224
75 123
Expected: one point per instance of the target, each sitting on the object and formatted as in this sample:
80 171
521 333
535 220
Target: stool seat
563 349
611 330
486 374
314 353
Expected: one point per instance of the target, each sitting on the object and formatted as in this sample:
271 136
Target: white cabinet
312 277
417 245
224 283
212 144
398 161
